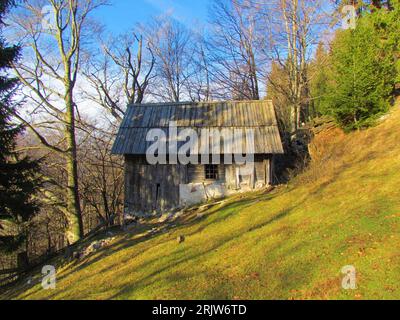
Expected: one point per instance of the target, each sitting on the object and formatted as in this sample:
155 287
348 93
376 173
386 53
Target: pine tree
363 75
17 174
319 70
387 23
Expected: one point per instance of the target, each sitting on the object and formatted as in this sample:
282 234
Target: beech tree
53 34
235 49
294 28
172 46
120 73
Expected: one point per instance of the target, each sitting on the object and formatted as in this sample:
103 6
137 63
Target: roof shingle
230 115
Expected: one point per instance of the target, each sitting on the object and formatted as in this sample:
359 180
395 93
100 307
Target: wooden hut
159 187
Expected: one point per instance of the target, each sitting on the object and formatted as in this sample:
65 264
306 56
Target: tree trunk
295 59
256 94
75 224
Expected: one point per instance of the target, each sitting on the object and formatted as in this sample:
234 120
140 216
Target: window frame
211 172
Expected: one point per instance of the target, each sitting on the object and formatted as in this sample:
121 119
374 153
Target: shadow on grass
225 211
176 260
163 228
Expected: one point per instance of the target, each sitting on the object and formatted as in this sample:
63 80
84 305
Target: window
211 171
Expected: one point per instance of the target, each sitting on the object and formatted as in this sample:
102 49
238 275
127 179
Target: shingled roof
256 115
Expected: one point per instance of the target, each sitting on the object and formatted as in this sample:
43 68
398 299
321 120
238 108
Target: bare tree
121 75
235 48
103 85
199 86
101 177
295 28
53 34
132 67
278 91
172 46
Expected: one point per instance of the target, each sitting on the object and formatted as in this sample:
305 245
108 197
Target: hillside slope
289 244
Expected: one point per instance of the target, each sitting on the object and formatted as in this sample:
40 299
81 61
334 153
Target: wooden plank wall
141 180
262 168
151 188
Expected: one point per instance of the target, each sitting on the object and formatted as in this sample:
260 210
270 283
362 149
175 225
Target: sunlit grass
290 244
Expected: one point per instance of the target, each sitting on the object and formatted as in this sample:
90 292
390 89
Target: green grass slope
288 244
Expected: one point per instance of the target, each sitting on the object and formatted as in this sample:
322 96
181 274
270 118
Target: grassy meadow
290 243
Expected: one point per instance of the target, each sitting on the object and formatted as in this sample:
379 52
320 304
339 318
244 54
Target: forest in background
58 180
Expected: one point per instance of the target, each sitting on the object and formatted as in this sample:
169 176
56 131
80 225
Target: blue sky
122 15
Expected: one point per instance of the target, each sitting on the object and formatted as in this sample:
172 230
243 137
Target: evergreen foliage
358 83
17 174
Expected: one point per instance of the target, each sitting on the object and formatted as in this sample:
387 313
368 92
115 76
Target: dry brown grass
333 150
